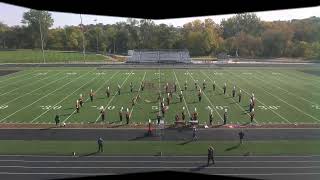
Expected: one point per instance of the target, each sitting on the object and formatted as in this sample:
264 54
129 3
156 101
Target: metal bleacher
159 56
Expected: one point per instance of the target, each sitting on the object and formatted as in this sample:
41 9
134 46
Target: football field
283 96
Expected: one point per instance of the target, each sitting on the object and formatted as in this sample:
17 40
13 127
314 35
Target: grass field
35 56
295 147
37 95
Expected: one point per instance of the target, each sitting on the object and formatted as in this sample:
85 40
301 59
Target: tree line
243 35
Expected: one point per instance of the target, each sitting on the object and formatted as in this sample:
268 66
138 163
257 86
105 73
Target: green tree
34 19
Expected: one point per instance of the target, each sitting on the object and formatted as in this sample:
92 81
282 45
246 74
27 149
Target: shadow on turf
186 142
233 147
89 154
145 135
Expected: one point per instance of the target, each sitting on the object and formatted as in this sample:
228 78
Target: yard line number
50 107
71 73
217 107
4 106
269 107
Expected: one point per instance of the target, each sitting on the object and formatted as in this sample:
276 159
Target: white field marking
184 100
187 73
27 84
158 73
263 103
56 173
290 104
150 161
138 91
114 95
12 76
288 91
88 97
4 106
246 73
207 98
36 89
130 73
275 73
301 79
41 98
161 167
155 107
316 107
231 98
71 73
100 73
63 99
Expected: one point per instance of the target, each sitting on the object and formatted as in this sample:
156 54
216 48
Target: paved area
261 167
167 134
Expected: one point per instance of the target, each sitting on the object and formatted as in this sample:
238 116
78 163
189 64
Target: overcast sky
12 15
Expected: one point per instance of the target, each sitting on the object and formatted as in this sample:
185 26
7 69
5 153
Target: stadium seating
159 56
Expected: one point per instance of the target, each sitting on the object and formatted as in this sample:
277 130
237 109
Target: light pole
97 36
83 45
41 37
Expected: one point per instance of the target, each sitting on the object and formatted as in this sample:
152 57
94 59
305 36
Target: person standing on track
194 133
234 91
225 117
210 155
100 144
77 106
224 88
91 95
239 95
241 135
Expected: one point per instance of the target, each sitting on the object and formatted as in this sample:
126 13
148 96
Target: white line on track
184 100
42 97
114 96
263 103
27 84
88 97
63 77
231 98
63 99
207 98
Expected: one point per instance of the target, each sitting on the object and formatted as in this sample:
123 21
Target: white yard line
113 96
36 89
231 98
264 104
27 84
287 103
88 97
41 98
184 100
63 99
138 91
286 90
207 98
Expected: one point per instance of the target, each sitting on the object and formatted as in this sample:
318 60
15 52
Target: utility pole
97 36
41 37
83 45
